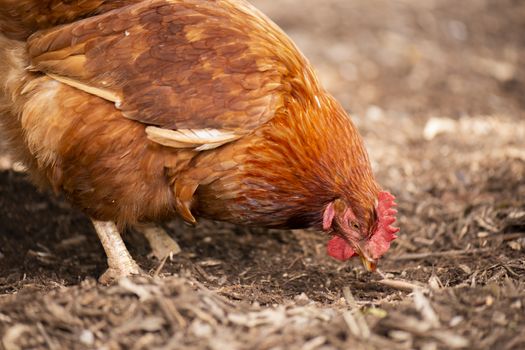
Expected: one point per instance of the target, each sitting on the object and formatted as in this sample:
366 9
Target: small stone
514 245
302 299
374 113
87 337
516 305
456 320
437 126
465 268
500 318
201 329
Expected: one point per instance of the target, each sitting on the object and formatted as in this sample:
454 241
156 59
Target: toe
113 275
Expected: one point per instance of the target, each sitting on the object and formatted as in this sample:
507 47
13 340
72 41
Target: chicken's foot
120 262
161 244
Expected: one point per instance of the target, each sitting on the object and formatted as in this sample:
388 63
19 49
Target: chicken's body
188 107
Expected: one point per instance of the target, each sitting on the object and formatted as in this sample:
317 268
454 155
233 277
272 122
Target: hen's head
366 234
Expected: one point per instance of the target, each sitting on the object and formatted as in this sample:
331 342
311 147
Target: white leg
120 262
161 244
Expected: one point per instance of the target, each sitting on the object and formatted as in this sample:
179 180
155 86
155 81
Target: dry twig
354 318
401 285
449 253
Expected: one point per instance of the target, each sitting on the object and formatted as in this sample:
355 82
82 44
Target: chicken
139 111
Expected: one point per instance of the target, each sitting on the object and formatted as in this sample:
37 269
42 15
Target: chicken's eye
355 225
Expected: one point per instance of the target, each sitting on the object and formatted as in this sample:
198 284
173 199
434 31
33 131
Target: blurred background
429 57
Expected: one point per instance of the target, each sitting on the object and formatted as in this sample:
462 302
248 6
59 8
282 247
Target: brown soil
438 91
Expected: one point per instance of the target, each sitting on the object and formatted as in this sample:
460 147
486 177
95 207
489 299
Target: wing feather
105 94
199 139
199 73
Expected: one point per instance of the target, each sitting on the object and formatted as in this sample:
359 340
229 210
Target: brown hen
139 111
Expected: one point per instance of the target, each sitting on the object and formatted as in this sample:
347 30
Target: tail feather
21 18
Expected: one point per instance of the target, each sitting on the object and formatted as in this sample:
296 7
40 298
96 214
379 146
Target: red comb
385 232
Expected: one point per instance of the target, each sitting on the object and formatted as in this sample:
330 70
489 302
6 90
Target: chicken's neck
307 156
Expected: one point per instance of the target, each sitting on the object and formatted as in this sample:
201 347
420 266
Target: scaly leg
120 262
161 244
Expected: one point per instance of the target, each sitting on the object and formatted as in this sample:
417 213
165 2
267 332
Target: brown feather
21 18
177 64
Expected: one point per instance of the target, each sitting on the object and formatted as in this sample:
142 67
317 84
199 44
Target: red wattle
339 249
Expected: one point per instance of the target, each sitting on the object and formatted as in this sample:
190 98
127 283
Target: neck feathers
311 154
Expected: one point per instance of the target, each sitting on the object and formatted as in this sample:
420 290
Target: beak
369 263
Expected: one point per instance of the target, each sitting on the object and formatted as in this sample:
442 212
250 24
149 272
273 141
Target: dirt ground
438 90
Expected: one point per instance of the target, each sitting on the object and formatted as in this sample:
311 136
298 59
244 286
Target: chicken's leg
161 244
120 262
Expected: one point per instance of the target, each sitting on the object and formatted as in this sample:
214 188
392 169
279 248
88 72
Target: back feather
21 18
